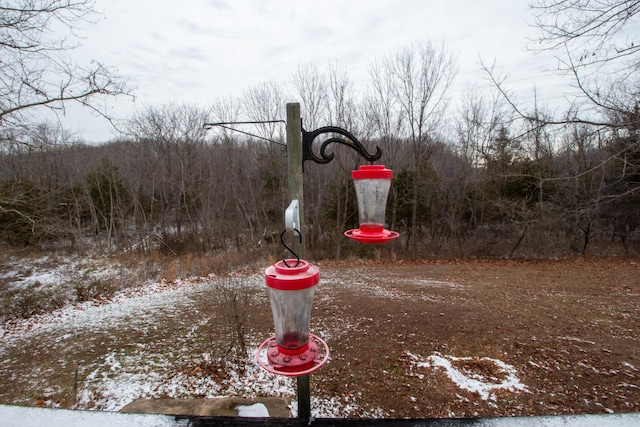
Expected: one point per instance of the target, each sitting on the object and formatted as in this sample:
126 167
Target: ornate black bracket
349 140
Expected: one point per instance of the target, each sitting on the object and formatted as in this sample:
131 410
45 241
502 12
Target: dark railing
15 416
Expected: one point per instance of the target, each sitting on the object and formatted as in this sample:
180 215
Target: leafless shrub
227 324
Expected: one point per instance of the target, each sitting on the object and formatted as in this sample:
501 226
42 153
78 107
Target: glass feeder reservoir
291 292
372 184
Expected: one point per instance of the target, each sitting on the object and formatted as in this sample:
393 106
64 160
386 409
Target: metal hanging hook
295 230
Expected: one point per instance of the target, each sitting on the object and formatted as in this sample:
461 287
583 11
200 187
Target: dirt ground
569 329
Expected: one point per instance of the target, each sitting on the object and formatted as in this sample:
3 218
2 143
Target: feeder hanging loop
295 230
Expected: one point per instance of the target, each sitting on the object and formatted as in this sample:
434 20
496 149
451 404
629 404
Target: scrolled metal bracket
349 140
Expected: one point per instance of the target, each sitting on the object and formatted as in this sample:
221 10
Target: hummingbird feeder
372 183
293 351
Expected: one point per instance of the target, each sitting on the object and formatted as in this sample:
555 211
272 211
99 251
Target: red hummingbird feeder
293 351
372 184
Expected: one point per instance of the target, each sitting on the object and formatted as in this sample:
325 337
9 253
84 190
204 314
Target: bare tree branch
588 27
36 70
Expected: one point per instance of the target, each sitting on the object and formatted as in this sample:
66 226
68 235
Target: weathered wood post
294 163
296 192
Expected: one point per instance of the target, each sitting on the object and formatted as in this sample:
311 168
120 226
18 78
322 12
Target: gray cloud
192 53
204 49
194 27
219 4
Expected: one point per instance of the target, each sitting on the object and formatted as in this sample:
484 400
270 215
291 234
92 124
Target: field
431 339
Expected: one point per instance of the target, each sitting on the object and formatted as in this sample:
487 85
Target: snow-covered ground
145 369
121 375
115 371
55 270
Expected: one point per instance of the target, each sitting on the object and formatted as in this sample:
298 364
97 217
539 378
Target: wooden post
294 162
296 192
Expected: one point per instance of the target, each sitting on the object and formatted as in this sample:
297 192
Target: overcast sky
195 51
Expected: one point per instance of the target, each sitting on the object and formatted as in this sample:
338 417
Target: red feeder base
372 236
296 362
291 361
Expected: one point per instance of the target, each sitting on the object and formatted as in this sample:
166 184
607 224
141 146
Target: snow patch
468 373
576 339
47 271
257 410
16 416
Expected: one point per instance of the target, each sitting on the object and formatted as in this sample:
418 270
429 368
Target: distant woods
474 177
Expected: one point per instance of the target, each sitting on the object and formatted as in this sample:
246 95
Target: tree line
484 188
481 176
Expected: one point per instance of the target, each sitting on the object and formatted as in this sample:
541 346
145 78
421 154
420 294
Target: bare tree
419 77
480 119
37 72
311 86
108 200
595 44
173 136
38 75
226 110
381 111
264 102
341 98
263 176
39 182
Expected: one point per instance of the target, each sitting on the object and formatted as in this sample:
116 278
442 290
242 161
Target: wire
208 126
